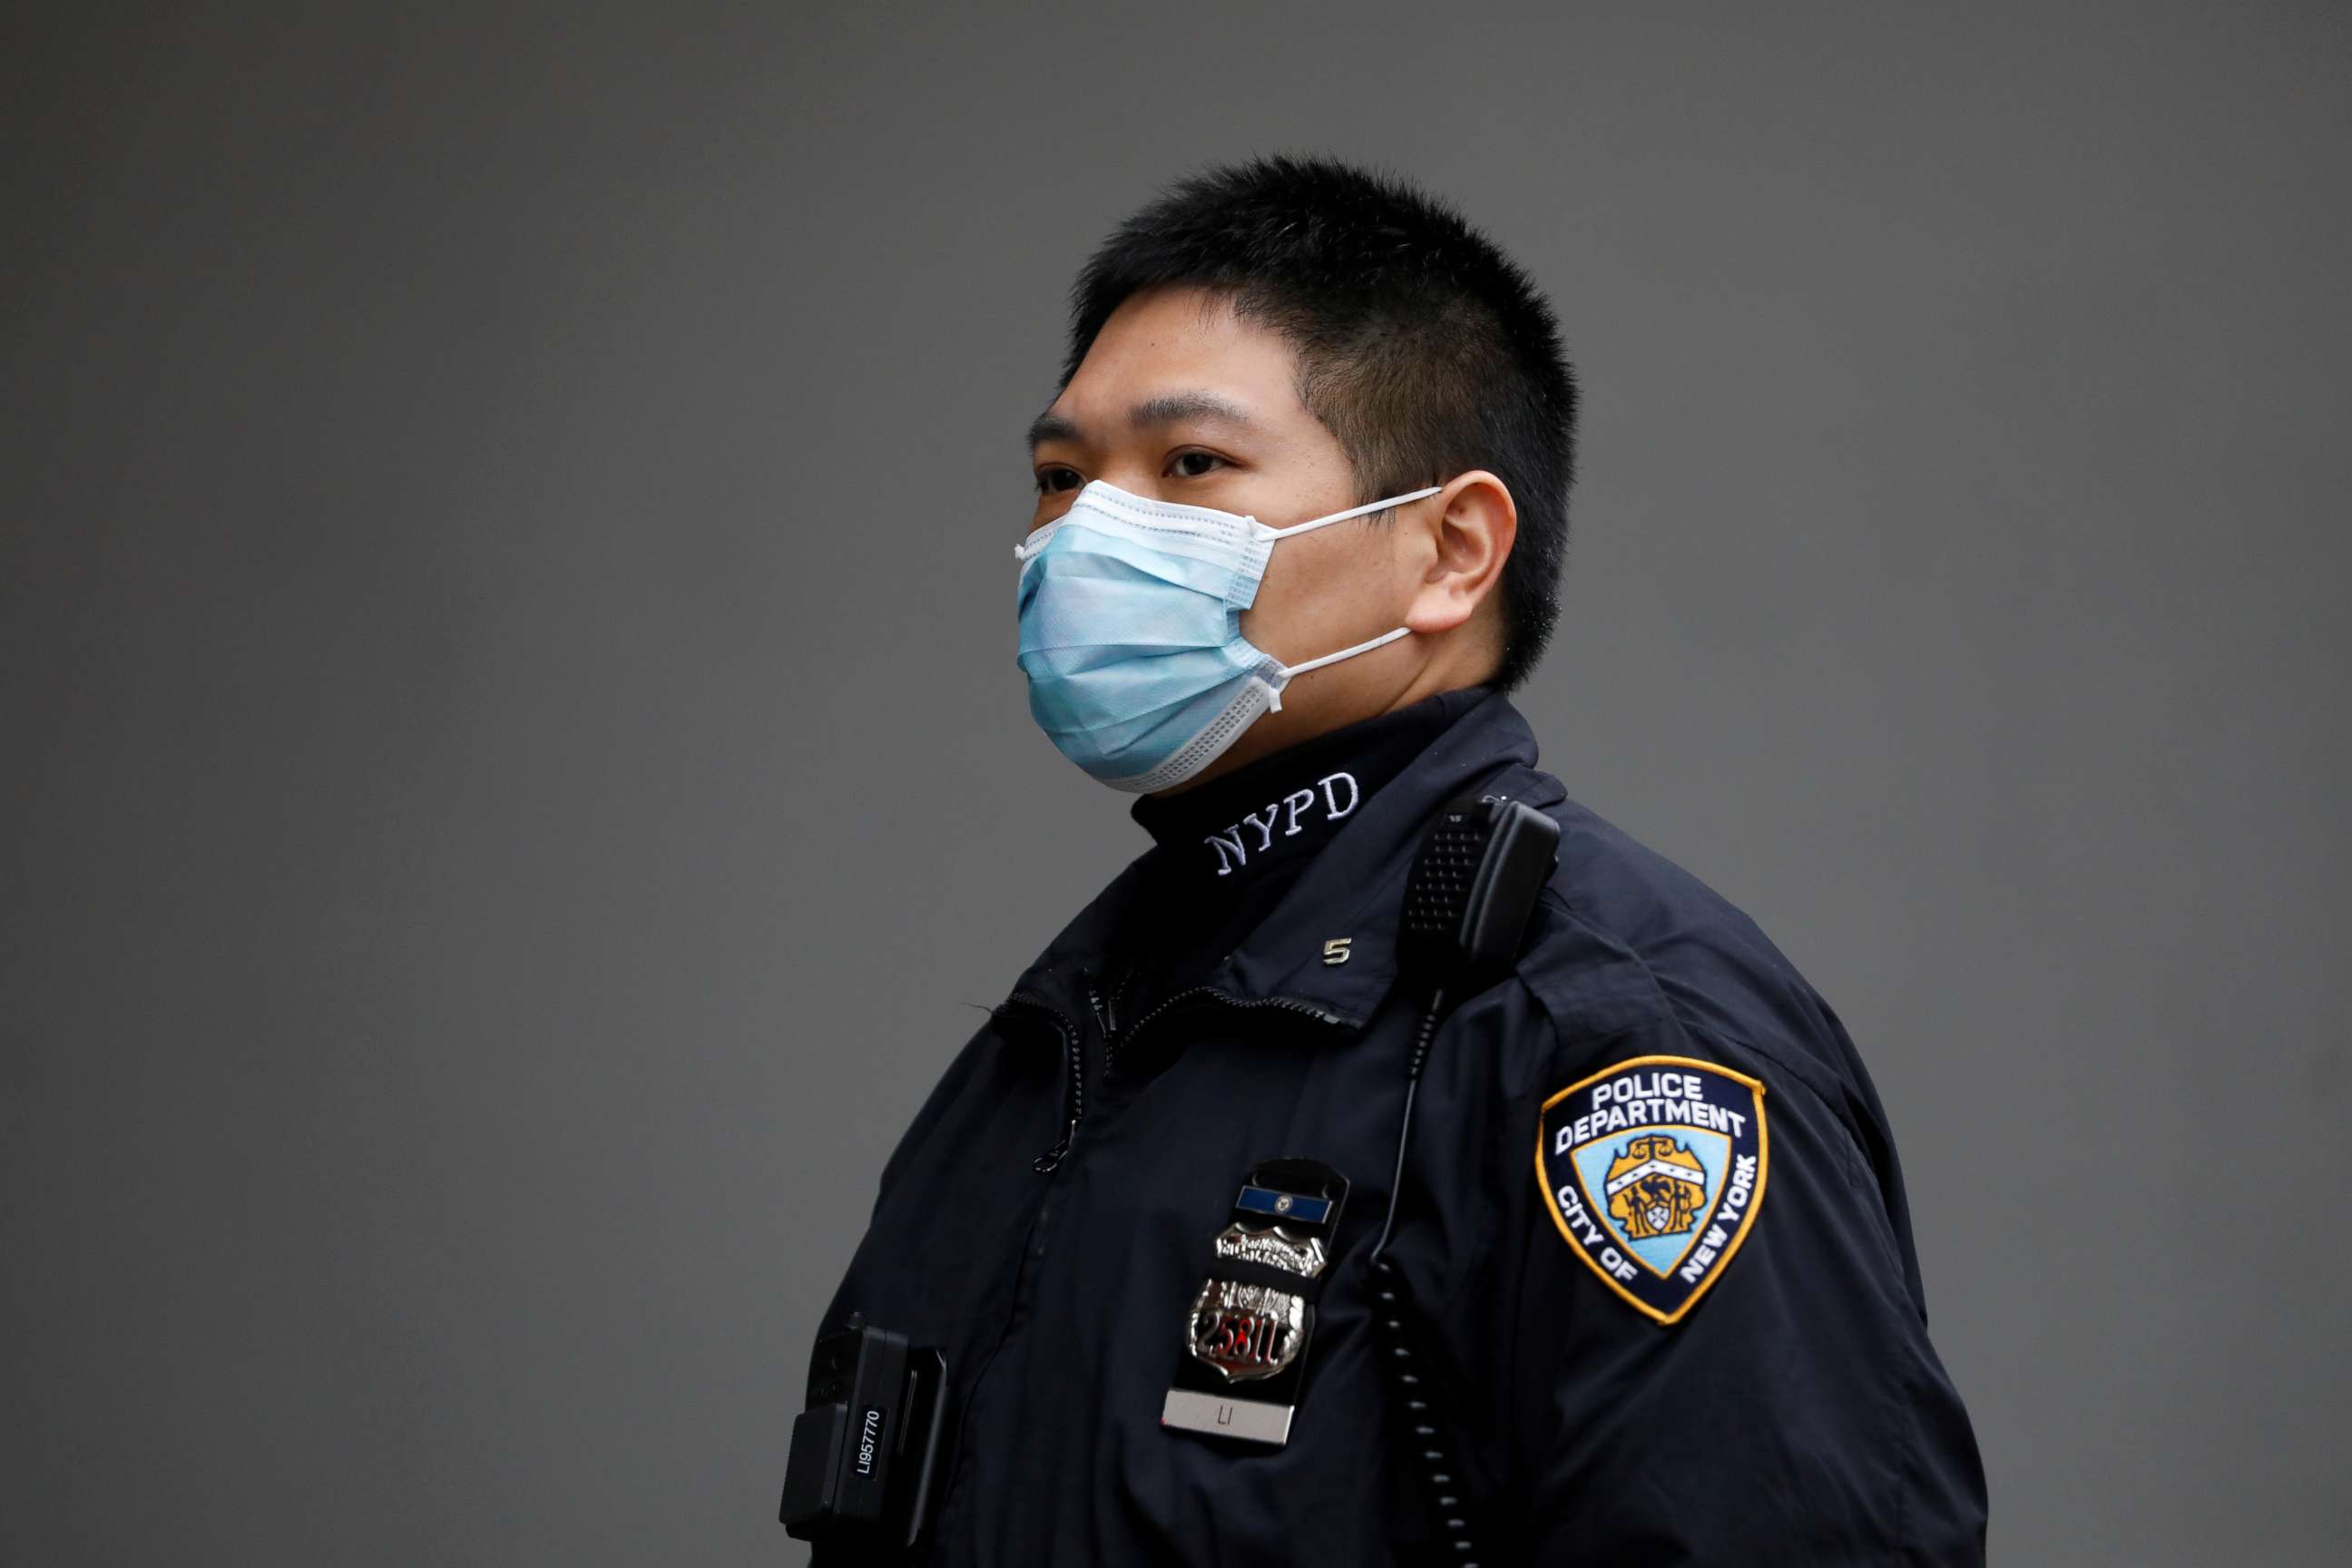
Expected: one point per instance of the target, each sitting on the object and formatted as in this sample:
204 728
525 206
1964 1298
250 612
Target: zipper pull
1047 1162
1105 1021
1074 1088
1126 978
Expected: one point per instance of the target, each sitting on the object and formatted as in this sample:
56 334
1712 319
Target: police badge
1245 1330
1653 1170
1251 1322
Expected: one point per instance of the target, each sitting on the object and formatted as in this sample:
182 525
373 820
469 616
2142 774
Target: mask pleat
1118 714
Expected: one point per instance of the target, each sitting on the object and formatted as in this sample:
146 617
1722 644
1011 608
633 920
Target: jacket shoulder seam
1662 1008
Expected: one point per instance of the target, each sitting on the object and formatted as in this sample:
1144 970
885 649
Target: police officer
1300 514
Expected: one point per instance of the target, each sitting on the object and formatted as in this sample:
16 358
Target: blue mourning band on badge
1285 1205
1652 1171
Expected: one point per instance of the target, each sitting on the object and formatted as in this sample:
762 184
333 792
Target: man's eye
1053 480
1183 457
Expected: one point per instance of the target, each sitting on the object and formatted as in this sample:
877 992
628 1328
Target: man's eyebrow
1051 427
1167 408
1170 408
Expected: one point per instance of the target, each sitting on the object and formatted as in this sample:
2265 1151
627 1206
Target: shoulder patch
1653 1170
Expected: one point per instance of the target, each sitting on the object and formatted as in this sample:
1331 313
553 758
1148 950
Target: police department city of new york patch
1653 1170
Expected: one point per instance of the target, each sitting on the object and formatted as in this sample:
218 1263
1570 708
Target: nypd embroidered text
1233 846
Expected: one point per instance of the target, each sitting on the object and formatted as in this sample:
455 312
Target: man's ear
1468 530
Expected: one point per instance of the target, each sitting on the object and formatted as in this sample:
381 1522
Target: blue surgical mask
1131 632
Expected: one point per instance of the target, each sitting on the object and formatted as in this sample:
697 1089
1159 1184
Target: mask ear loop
1273 693
1352 511
1028 548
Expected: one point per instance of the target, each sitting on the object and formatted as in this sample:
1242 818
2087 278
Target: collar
1280 810
1352 890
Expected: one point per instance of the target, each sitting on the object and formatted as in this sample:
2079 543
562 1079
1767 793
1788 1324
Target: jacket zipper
1288 1003
1106 1019
1074 1091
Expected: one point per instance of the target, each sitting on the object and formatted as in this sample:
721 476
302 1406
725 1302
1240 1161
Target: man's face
1180 400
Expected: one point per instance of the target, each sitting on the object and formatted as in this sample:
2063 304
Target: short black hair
1422 348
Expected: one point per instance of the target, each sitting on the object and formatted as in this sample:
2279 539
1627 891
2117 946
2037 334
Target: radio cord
1432 1445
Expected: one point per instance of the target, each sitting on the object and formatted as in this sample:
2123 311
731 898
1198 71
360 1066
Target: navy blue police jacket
1652 1225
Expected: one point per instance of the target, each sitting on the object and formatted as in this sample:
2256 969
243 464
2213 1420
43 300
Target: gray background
515 775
